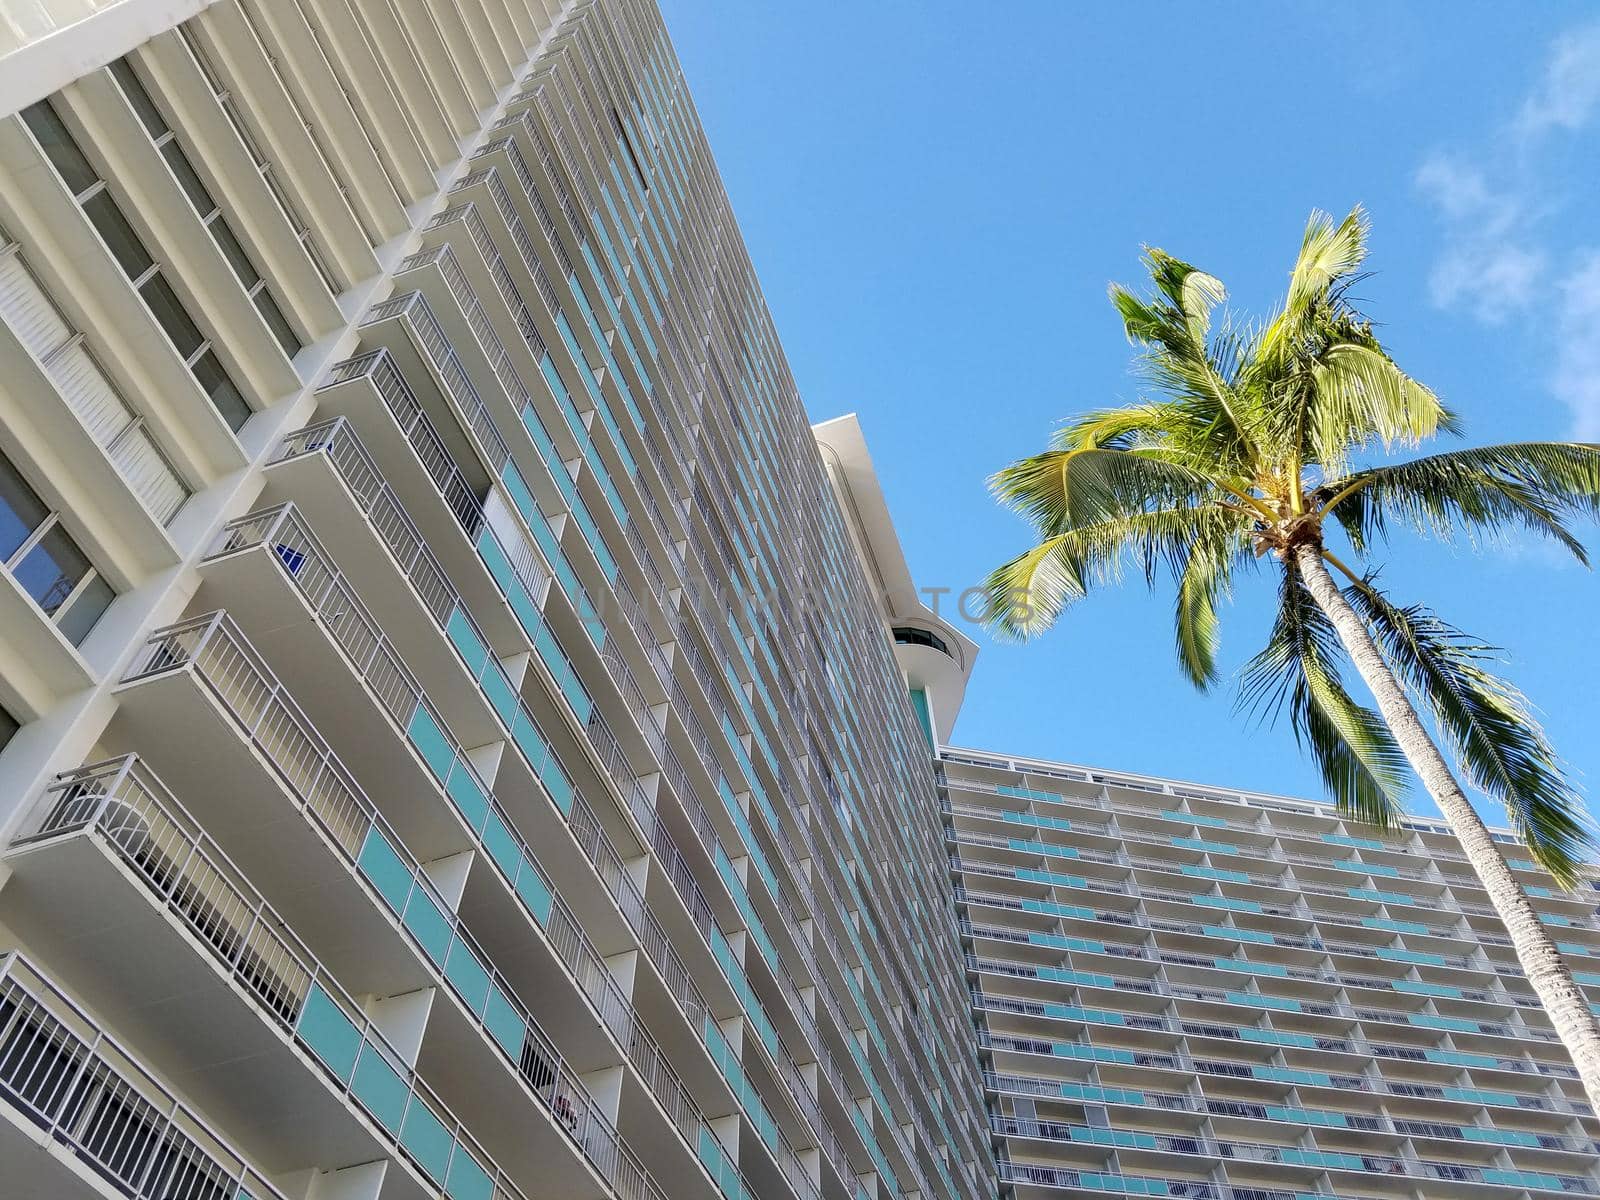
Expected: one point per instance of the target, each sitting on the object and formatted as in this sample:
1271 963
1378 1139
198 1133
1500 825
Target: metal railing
1519 999
459 495
126 806
295 547
80 1087
781 981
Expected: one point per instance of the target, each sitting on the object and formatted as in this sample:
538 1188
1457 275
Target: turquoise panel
553 657
429 925
429 1142
1499 1137
465 639
502 846
332 1038
1224 902
1430 1021
468 795
504 1023
1424 989
1239 935
1382 897
431 741
1273 1037
379 1086
498 691
919 705
1479 1096
1193 843
1256 968
1339 839
467 1180
1027 793
535 895
469 977
381 863
1459 1058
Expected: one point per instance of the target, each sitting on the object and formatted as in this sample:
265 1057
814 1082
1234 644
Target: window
8 728
46 562
908 636
210 213
97 203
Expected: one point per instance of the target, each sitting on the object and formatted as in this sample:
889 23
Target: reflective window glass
52 569
125 245
59 147
171 315
227 398
21 510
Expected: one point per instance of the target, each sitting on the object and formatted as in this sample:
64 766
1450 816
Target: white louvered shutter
148 474
89 393
26 309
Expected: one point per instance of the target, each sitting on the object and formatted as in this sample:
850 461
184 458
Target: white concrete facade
426 771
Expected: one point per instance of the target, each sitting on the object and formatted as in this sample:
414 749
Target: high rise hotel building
464 734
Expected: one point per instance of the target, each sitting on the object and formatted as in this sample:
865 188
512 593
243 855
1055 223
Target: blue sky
935 205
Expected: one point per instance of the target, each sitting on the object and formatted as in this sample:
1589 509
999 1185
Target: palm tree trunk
1551 979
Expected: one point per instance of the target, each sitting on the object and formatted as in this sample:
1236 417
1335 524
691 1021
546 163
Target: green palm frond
1359 760
1066 489
1023 598
1329 254
1130 427
1358 395
1172 327
1026 595
1205 577
1495 737
1533 486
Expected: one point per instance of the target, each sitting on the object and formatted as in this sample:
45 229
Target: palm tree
1259 446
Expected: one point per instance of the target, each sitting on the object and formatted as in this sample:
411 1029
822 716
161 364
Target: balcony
446 506
204 676
163 933
293 547
79 1114
354 681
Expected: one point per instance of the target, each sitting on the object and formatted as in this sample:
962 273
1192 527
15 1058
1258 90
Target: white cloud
1490 281
1485 266
1495 259
1569 94
1576 379
1462 193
